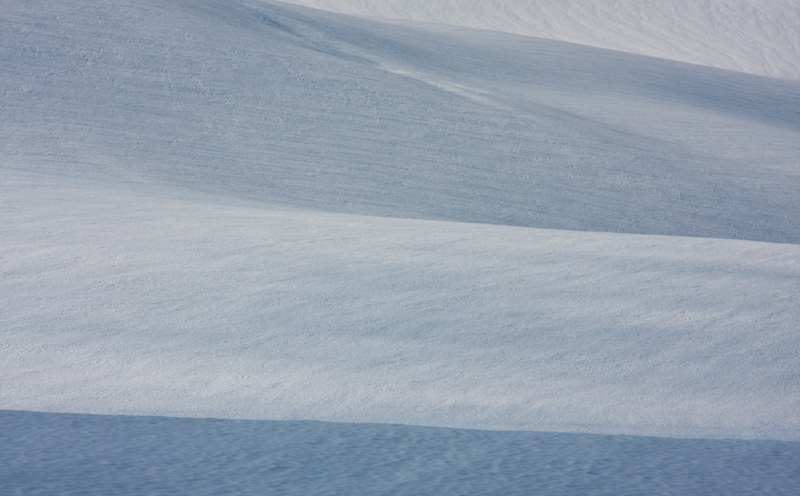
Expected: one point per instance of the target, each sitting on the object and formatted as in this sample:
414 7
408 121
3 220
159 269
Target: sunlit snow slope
124 302
753 36
252 210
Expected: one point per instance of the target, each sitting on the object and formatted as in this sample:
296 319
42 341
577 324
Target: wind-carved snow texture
297 107
250 210
752 36
197 308
151 455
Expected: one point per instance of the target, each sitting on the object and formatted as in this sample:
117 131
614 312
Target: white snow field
299 107
265 214
753 36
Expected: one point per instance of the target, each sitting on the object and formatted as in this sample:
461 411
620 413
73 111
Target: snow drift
253 210
305 108
752 36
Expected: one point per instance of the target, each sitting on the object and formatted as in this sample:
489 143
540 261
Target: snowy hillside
122 302
752 36
255 210
308 109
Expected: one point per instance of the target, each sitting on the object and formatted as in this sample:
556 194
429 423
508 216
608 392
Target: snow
313 110
267 214
156 455
752 36
131 303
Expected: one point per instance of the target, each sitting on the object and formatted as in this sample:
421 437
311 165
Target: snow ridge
752 36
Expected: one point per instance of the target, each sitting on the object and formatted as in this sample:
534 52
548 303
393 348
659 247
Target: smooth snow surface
753 36
252 210
152 455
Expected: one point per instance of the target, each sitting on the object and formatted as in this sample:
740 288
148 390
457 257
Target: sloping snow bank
311 109
753 36
46 453
134 303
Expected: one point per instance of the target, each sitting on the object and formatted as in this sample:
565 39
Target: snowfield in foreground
155 455
269 214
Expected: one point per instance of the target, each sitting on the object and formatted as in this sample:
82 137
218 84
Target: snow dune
254 210
752 36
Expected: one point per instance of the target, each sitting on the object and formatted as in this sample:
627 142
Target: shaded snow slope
753 36
282 104
131 302
85 454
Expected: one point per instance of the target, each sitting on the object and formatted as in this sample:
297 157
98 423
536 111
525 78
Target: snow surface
305 108
252 210
155 455
753 36
122 302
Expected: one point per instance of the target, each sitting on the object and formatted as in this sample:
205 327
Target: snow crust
252 210
155 455
305 108
136 303
752 36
